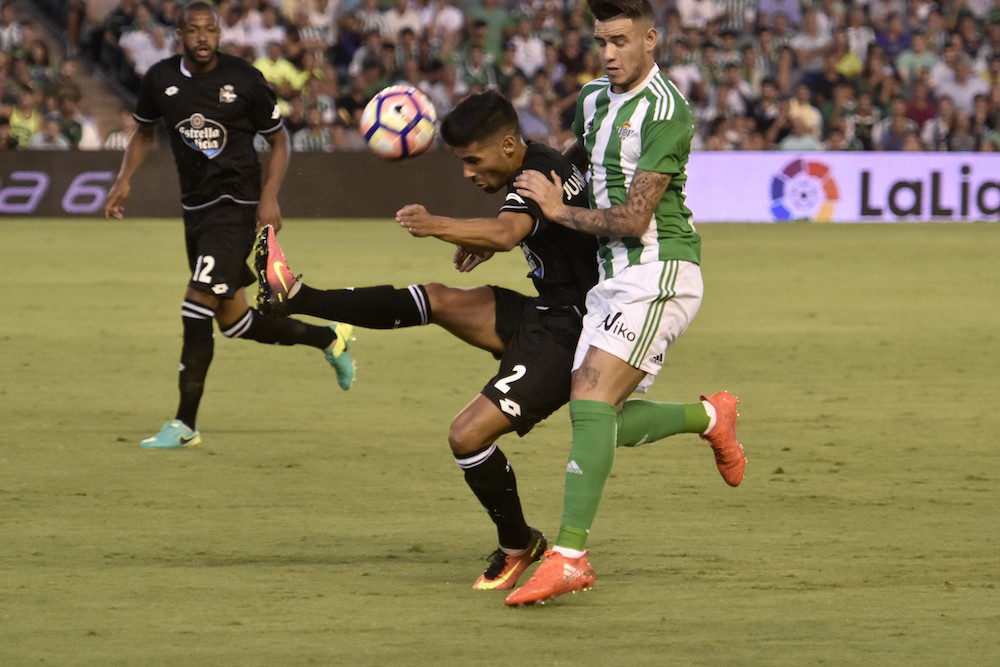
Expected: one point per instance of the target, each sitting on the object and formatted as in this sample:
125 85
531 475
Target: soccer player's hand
467 259
547 194
415 219
268 213
114 205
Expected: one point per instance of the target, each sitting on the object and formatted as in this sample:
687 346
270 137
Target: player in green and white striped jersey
634 129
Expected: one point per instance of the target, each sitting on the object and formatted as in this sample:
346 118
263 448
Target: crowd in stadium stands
759 74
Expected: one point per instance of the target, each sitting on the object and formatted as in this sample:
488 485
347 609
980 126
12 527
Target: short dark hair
605 10
478 117
198 6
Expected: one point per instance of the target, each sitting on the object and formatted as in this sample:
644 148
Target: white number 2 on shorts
503 384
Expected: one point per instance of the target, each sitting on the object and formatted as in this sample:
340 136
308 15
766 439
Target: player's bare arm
135 155
268 212
628 219
501 233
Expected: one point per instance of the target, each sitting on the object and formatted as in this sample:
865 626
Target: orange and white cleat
276 283
557 575
729 456
505 569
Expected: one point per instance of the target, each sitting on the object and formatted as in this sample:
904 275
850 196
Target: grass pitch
316 526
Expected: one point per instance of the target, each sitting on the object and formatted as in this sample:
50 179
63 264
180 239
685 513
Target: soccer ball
398 123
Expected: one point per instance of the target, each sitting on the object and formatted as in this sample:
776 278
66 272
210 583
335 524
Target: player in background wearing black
533 337
212 105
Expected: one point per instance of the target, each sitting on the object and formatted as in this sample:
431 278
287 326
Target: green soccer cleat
173 435
339 355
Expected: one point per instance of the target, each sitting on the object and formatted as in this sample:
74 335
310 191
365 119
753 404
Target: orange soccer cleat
729 456
505 569
557 575
276 284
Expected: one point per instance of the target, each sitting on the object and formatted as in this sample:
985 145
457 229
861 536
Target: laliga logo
804 190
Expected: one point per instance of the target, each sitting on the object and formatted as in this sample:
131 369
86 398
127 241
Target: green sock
590 461
640 422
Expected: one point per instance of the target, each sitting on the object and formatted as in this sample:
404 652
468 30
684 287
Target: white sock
569 553
710 409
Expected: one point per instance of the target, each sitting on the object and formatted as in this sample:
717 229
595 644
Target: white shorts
639 313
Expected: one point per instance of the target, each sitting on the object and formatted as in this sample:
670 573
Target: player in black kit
212 105
533 337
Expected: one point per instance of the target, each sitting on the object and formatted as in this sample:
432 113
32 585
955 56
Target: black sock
196 355
254 325
380 307
489 475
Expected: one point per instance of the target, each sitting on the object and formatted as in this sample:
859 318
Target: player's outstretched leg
729 456
557 575
339 356
174 435
276 284
506 568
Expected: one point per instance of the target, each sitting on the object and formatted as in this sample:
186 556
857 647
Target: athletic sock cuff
596 408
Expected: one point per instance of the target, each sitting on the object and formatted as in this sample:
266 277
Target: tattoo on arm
627 219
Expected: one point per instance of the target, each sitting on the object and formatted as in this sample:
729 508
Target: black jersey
211 119
563 261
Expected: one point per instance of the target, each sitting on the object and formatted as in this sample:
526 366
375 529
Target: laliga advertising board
777 186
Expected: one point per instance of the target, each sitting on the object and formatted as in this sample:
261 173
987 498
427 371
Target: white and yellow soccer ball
399 123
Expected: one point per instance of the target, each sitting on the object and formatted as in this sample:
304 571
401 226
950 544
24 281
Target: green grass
322 527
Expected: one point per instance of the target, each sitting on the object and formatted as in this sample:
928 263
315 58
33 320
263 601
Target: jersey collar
622 97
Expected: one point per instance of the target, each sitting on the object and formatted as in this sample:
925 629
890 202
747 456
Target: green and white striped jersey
648 128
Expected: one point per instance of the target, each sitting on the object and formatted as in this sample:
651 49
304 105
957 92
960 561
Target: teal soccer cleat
339 355
173 435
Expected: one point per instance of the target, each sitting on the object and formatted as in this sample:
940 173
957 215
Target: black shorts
534 376
219 240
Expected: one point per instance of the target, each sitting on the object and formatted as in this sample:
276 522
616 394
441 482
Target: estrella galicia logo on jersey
170 91
804 190
226 94
203 134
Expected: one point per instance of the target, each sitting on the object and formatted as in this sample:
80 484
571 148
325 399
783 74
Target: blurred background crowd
760 74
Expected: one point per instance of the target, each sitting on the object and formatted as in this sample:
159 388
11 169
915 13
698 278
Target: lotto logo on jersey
203 134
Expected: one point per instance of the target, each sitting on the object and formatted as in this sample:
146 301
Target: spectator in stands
529 49
801 107
10 29
401 15
371 19
915 59
961 138
478 74
41 67
25 118
893 40
315 137
769 10
964 87
866 115
860 35
49 137
935 132
258 37
841 105
76 125
349 40
117 22
800 138
991 75
810 45
495 21
277 70
920 108
890 133
145 44
118 138
232 24
699 13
